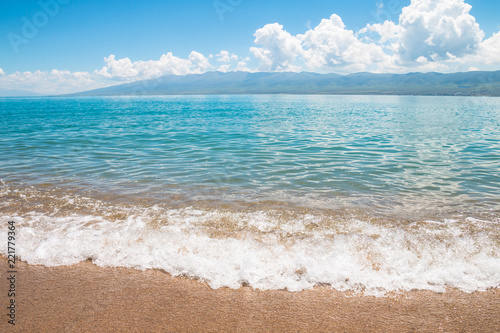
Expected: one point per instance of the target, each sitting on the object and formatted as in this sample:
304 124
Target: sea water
362 193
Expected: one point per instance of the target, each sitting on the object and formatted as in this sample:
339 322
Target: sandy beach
88 298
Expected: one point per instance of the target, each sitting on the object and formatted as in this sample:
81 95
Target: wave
265 249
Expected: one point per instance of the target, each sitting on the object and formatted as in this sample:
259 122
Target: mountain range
475 83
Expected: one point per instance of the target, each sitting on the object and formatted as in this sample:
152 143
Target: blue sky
69 45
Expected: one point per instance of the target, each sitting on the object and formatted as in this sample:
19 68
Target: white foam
271 254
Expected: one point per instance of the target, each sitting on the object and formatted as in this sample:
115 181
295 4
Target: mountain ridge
477 83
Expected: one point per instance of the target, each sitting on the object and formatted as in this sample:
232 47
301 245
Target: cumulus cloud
228 61
489 50
437 29
430 35
387 31
199 64
125 69
331 45
242 66
2 72
279 48
225 56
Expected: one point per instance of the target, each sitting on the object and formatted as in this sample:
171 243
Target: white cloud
331 45
51 82
2 72
199 64
279 48
489 50
225 57
436 28
387 31
431 35
125 69
229 61
264 58
242 67
224 68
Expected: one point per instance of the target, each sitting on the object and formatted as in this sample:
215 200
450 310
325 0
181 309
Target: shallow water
372 193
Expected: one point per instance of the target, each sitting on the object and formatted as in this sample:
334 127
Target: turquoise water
431 151
388 161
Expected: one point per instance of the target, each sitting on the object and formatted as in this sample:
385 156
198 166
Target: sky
63 46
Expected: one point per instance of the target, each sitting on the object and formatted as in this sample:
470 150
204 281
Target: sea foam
266 252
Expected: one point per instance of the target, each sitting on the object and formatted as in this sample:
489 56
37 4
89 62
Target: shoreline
86 297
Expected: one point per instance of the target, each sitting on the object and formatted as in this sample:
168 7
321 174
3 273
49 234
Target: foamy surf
264 251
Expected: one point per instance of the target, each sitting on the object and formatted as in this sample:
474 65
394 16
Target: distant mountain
16 93
464 84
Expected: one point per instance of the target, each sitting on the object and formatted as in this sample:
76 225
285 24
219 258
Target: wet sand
88 298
